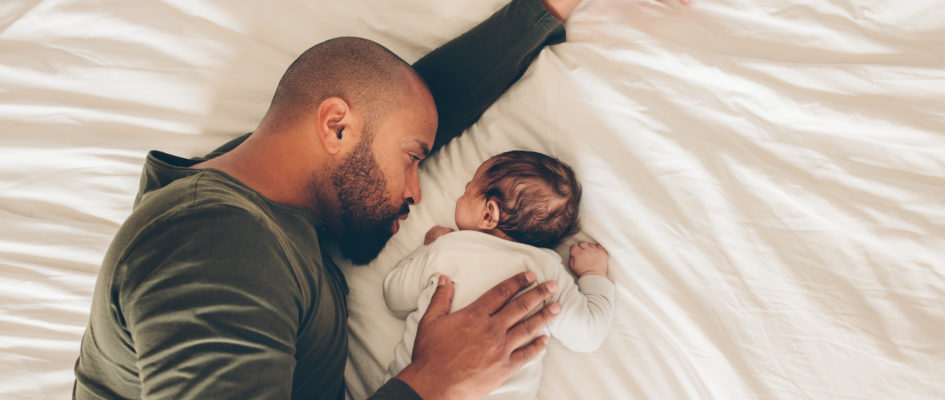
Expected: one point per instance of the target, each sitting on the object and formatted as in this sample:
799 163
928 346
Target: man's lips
395 225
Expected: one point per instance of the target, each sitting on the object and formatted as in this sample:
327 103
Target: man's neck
266 164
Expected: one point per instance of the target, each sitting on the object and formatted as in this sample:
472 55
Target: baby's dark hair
538 197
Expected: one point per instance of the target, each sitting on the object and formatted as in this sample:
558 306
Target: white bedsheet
769 176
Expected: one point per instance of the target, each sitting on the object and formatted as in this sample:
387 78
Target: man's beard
366 216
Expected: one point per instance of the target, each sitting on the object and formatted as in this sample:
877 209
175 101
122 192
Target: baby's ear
490 216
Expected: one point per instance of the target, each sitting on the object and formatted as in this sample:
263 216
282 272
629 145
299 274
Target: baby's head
524 196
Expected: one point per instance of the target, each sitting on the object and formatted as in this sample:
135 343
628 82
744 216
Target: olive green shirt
211 290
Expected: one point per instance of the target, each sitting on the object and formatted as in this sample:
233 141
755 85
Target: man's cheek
396 187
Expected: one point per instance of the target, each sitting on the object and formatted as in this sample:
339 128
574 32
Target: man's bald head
368 76
362 181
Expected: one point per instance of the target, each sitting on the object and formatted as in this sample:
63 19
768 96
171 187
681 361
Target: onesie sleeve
587 312
403 285
213 314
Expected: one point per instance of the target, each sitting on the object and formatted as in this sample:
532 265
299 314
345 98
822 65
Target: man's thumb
441 301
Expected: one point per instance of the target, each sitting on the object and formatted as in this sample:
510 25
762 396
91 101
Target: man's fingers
524 331
515 310
492 300
520 357
441 301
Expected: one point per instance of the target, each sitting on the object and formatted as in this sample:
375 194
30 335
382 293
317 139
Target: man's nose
412 191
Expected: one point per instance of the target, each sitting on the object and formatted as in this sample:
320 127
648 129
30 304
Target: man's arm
467 74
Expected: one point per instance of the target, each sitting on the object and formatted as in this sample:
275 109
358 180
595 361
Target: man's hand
561 9
589 259
470 352
434 233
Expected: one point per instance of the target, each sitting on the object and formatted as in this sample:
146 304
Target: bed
768 176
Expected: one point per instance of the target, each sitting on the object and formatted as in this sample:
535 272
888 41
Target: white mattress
768 176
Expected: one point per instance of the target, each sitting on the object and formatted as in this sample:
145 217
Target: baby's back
476 262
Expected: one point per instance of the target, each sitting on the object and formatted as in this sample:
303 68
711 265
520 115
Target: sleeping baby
518 205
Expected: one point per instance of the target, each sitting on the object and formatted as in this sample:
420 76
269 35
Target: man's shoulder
207 218
201 189
226 246
195 212
208 229
197 202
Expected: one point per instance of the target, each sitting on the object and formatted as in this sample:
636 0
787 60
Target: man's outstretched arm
468 74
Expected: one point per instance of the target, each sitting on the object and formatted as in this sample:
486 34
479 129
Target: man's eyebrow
423 148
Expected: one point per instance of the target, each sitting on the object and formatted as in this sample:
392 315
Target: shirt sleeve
404 283
395 389
208 299
468 74
587 312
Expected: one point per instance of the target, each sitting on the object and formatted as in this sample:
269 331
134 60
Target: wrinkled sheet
768 176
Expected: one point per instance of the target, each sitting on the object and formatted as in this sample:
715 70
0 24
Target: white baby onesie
476 262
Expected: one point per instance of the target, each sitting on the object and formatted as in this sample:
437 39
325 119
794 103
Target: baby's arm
587 309
435 232
589 259
403 284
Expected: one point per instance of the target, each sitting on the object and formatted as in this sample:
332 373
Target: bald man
217 285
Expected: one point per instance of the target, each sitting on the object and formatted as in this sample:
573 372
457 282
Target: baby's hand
435 232
589 259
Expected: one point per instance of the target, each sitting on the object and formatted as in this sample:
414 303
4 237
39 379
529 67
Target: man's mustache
404 210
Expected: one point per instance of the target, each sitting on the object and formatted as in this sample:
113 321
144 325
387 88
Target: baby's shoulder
464 239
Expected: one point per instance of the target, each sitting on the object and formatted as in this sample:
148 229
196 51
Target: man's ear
490 215
333 116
